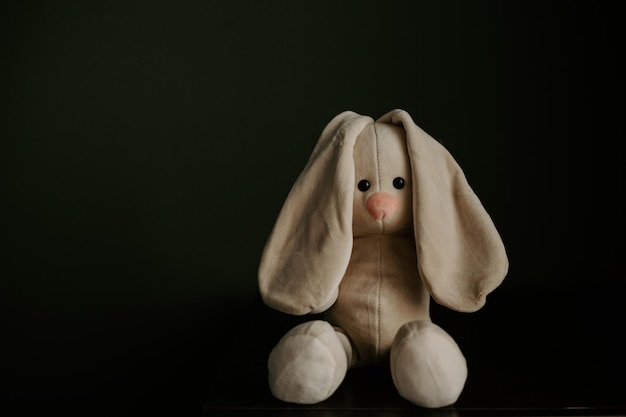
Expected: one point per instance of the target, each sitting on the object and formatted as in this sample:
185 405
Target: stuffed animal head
383 193
382 176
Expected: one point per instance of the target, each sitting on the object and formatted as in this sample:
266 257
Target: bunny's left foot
427 366
308 363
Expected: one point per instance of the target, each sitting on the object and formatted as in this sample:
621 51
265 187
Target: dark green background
147 148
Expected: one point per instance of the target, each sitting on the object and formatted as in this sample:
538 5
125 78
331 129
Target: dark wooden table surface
548 353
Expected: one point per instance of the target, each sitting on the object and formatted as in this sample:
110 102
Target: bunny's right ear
460 253
310 245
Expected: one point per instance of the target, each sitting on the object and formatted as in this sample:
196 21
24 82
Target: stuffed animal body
381 289
380 220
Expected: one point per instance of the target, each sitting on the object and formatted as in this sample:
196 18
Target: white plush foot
427 365
308 363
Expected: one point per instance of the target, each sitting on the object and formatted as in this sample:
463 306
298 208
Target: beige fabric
308 250
380 292
427 365
309 363
462 258
371 257
460 255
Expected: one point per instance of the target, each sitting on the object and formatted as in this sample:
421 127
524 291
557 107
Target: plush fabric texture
462 256
310 246
308 363
381 219
427 365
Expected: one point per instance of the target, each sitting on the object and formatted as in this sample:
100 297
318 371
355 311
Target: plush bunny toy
381 219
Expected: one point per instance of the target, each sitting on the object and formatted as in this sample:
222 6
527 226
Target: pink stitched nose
381 205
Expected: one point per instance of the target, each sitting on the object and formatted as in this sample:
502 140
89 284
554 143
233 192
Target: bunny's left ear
460 254
310 245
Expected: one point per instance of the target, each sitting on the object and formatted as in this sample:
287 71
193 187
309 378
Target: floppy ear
309 248
460 254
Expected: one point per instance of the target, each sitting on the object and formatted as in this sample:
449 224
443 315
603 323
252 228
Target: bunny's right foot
427 366
309 363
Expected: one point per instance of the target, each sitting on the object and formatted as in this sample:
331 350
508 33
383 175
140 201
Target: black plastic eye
398 182
364 185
